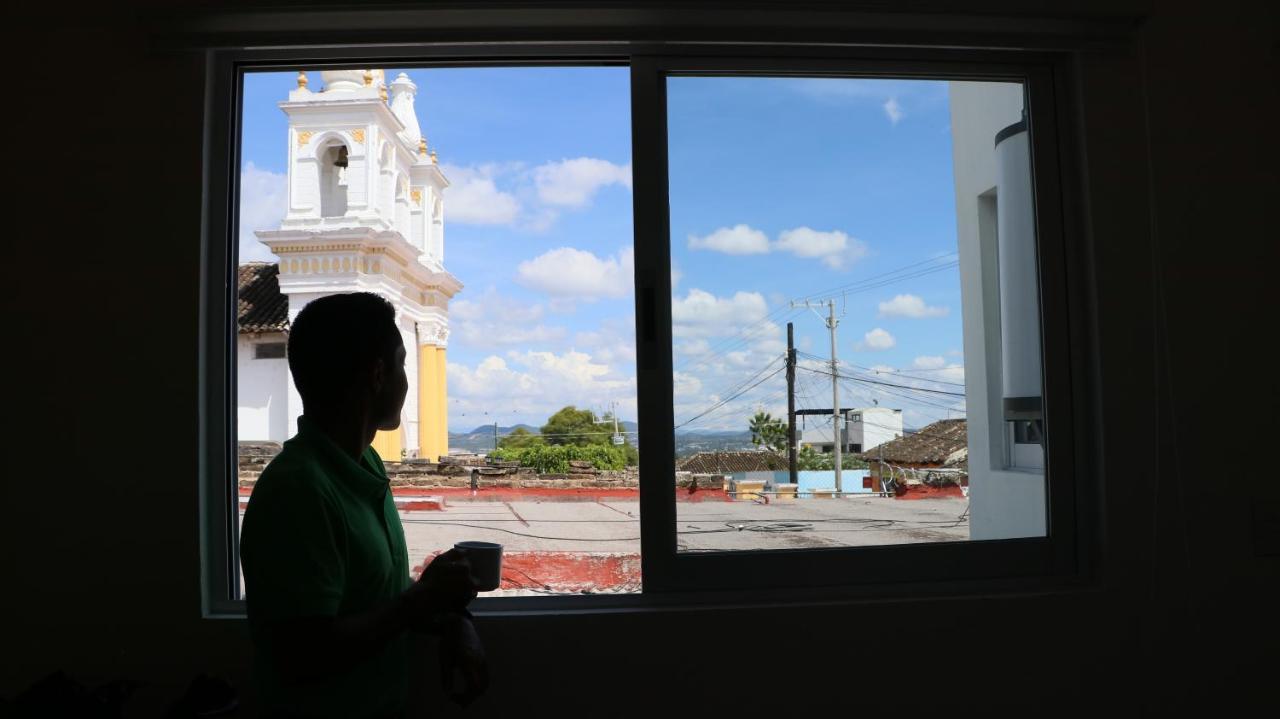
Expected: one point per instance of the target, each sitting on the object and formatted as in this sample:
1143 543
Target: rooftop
728 462
260 306
943 442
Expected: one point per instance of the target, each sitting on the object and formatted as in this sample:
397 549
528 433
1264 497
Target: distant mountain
480 439
488 428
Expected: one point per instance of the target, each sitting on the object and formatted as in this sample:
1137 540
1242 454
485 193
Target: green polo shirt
321 538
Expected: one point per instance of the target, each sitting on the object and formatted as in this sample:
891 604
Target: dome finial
302 80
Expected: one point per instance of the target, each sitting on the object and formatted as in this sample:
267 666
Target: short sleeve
292 552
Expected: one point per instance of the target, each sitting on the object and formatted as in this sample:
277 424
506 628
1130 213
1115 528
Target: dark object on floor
206 697
58 695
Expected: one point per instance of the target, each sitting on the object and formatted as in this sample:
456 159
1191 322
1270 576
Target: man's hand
446 585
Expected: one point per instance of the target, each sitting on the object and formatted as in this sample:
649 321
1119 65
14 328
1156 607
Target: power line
886 384
726 401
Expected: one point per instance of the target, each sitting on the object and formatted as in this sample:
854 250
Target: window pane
887 227
518 424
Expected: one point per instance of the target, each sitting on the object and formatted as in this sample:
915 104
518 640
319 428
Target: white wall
261 393
1003 503
876 426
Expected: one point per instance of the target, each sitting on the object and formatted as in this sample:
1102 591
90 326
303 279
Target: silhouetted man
326 570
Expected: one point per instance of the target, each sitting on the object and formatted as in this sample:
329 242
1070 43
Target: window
521 401
769 189
269 350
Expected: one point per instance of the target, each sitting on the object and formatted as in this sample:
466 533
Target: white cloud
928 362
836 249
911 306
612 342
573 183
492 319
264 200
685 385
736 240
877 340
702 314
533 385
570 272
893 110
473 196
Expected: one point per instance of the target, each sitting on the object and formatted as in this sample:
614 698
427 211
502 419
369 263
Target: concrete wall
262 402
1003 502
1175 617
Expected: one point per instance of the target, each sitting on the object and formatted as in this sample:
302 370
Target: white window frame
672 579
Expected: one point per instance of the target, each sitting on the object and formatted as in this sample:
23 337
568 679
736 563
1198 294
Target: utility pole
791 404
837 439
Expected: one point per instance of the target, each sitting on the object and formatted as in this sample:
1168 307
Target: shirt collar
366 476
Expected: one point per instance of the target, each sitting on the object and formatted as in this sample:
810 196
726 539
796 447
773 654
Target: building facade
995 227
365 214
863 429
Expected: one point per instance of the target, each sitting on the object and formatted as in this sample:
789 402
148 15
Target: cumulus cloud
736 240
513 194
877 340
893 110
612 342
836 249
534 384
928 362
567 272
702 314
473 197
264 198
573 183
492 319
912 306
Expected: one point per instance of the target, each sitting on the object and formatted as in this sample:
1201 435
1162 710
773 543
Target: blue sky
779 188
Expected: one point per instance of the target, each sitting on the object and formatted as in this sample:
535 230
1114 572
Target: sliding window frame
951 566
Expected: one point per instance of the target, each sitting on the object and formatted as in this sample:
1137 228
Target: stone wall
456 472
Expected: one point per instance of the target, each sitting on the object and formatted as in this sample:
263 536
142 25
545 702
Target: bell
341 161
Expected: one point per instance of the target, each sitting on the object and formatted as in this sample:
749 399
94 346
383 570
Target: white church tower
366 214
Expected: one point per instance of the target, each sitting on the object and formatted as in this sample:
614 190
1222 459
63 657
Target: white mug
486 563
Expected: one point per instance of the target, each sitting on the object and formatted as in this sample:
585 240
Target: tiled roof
728 462
945 441
260 307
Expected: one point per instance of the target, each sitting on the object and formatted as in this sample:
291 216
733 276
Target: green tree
810 459
579 428
769 432
520 438
574 426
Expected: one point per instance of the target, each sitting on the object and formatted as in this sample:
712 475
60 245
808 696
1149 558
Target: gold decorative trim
368 78
434 159
417 196
422 147
302 80
358 136
304 137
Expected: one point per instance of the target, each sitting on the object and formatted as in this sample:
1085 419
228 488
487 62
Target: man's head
346 355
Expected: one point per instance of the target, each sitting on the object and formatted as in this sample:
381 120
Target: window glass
492 208
885 227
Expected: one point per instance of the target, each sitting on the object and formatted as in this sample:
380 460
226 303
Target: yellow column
428 444
442 403
388 444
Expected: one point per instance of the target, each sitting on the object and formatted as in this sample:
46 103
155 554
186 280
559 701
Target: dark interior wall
100 541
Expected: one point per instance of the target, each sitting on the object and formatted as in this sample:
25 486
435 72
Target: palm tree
767 431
